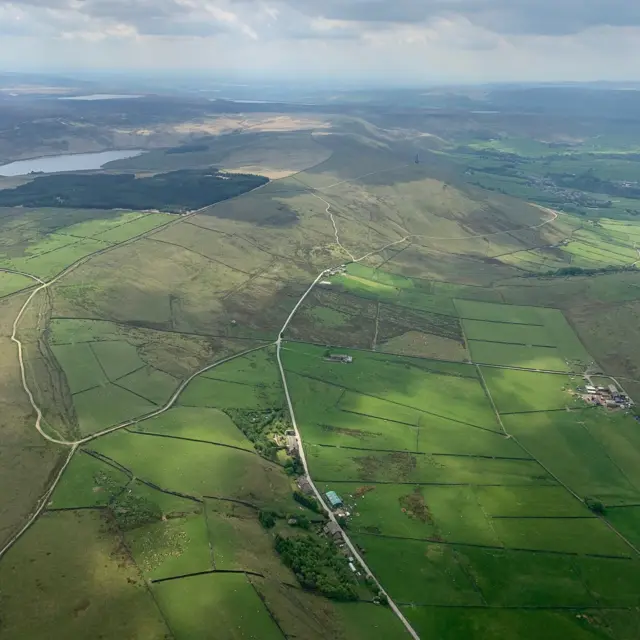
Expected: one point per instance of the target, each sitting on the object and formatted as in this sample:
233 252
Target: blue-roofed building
334 499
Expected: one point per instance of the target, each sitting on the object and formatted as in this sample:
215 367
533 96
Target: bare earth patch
256 122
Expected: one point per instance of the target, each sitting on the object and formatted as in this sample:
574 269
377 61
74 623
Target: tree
307 501
267 519
595 505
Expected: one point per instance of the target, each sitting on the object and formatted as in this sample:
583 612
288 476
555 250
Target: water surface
103 96
66 162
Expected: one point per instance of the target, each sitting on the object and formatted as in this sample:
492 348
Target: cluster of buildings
610 397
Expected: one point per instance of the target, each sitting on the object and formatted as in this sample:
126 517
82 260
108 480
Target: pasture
239 543
11 282
446 389
76 564
203 424
591 460
454 623
523 391
88 482
174 546
198 469
220 607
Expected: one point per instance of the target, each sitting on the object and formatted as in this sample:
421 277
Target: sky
390 41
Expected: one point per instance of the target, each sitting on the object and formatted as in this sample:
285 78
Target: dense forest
173 192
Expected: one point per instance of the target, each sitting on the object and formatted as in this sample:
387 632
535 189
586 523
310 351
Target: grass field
106 406
199 470
80 570
208 425
537 337
391 289
11 282
516 355
82 369
447 389
303 615
88 482
450 624
523 391
240 543
340 464
151 384
589 460
220 607
173 547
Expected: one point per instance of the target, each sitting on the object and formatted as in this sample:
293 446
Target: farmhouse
332 529
304 485
334 499
339 357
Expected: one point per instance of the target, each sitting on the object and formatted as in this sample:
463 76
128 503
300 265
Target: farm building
332 529
292 445
334 499
613 390
304 485
339 357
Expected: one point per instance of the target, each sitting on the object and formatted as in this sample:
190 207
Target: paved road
303 460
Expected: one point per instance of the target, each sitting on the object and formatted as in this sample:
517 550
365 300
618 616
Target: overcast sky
386 40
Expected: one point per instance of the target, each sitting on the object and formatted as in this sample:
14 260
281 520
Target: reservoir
102 96
66 162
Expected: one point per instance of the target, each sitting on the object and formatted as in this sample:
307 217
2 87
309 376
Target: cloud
542 17
444 40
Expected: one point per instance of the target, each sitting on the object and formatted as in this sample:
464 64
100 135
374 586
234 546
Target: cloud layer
463 39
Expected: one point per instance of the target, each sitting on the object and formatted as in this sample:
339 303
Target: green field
11 282
81 367
170 548
198 470
523 391
88 482
108 406
76 564
207 425
446 389
537 337
450 624
239 543
512 355
590 461
221 607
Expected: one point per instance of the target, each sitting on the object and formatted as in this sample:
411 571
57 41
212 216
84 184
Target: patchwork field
487 498
467 486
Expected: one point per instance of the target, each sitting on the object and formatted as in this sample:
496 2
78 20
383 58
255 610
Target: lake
66 162
103 96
